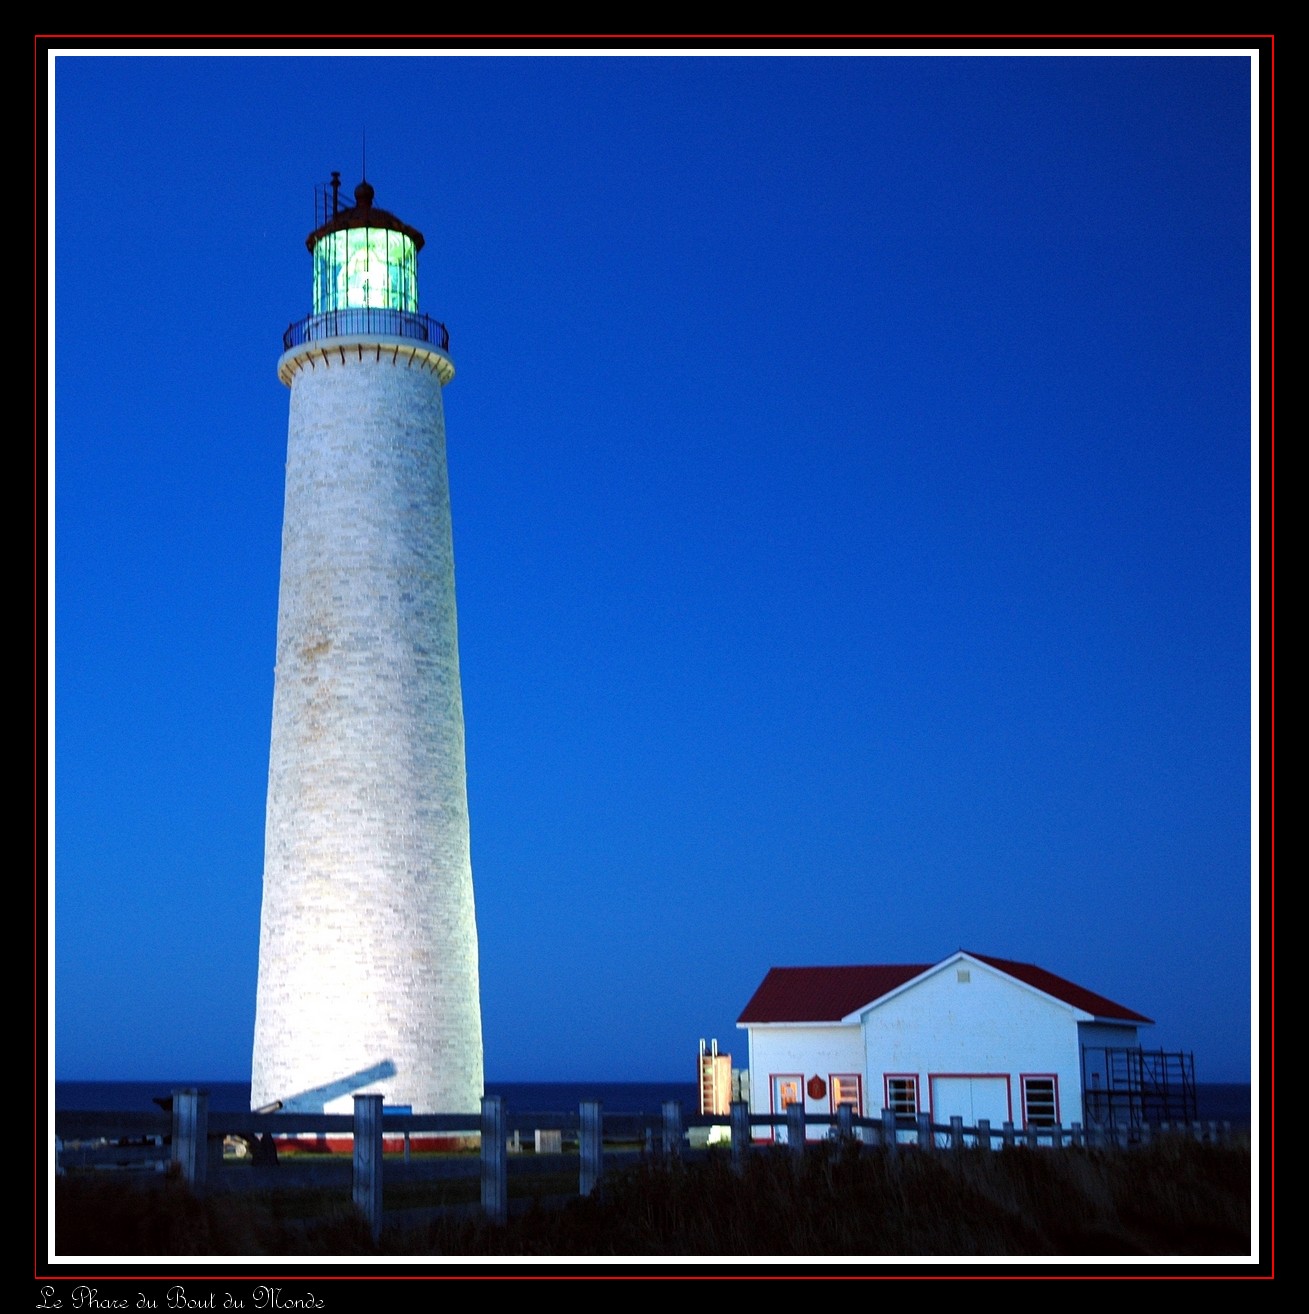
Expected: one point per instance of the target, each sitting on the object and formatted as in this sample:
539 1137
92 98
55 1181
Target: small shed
973 1036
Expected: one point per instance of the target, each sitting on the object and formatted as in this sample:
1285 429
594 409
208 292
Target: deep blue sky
850 461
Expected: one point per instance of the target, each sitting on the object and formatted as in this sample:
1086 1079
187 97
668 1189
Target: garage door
971 1098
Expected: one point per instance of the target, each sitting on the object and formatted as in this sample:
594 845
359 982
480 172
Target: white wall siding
988 1025
368 965
1108 1035
1096 1036
803 1051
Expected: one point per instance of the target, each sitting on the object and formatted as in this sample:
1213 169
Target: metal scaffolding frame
1124 1088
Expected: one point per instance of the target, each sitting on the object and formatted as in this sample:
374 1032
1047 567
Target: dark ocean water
534 1097
1222 1101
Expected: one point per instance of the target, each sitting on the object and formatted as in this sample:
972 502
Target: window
902 1095
845 1090
356 268
1040 1101
786 1091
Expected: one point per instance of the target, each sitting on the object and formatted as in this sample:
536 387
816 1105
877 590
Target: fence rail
191 1137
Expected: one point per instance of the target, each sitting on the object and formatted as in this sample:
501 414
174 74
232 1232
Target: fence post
1031 1136
495 1160
845 1122
740 1134
368 1161
672 1130
984 1133
924 1131
191 1136
795 1127
590 1147
1008 1128
956 1132
215 1154
889 1139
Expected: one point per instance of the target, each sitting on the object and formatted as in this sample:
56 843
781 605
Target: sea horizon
234 1096
1221 1101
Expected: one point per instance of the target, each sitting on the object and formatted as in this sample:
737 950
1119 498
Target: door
971 1096
787 1089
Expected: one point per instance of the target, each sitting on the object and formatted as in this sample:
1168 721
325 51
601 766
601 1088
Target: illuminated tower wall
368 975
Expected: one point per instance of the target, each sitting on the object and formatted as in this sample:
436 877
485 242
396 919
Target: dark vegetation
1173 1197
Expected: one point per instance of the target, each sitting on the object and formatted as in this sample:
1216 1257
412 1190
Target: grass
1169 1198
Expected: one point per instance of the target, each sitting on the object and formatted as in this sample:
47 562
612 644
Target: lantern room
364 257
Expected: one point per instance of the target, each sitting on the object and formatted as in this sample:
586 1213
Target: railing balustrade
366 320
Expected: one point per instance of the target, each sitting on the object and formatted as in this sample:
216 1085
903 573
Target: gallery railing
366 321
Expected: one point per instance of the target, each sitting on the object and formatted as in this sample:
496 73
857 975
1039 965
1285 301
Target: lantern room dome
364 214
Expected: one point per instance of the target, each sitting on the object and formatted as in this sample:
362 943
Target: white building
972 1036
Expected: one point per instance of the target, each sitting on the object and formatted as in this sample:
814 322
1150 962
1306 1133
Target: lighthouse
368 972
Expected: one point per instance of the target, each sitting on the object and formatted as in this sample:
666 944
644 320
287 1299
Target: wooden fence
195 1137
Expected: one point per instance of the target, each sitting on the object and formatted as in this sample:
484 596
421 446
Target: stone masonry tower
368 943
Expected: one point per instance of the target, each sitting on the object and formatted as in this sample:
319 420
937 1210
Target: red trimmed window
1040 1101
786 1091
846 1088
902 1094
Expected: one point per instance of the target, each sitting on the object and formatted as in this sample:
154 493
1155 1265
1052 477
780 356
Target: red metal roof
1077 996
827 994
822 994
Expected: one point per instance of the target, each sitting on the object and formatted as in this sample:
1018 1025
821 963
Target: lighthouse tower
368 974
